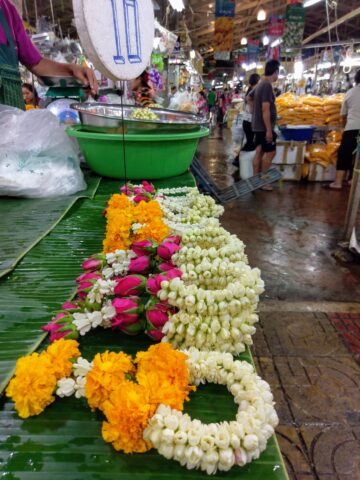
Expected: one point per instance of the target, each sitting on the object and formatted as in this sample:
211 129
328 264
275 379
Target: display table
65 441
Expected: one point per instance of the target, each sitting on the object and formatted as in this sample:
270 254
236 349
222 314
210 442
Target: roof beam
332 25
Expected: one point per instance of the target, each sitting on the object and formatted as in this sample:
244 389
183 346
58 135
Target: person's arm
267 121
344 112
49 68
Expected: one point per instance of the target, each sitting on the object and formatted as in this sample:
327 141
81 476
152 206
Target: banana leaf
65 441
25 221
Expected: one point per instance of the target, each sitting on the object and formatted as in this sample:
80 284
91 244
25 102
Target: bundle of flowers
142 400
119 290
193 289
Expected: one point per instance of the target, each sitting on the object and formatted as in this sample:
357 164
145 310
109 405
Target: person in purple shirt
15 47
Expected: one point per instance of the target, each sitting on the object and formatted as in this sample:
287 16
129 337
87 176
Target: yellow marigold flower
60 354
121 213
128 412
33 384
109 369
164 373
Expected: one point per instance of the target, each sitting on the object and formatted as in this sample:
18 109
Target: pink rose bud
127 189
153 284
167 249
69 306
83 289
127 305
144 247
139 264
156 318
88 276
173 239
141 198
130 285
124 318
91 264
166 266
138 191
148 187
155 335
174 273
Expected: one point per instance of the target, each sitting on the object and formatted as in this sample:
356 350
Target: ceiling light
243 41
177 5
192 54
261 16
265 40
310 3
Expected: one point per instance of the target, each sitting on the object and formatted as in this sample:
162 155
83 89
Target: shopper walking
247 116
262 99
350 112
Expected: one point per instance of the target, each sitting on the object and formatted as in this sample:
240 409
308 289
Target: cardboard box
317 173
290 172
289 153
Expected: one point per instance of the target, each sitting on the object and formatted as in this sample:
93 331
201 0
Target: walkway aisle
307 344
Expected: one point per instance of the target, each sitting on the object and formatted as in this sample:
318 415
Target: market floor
307 344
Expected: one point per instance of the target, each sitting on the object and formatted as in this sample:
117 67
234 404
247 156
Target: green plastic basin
148 156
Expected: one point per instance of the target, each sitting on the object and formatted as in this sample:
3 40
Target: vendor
142 90
30 96
15 47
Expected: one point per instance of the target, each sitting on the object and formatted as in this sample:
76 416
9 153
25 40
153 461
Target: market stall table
66 439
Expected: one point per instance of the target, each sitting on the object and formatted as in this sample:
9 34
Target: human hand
86 76
269 136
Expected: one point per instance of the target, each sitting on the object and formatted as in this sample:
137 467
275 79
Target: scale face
117 35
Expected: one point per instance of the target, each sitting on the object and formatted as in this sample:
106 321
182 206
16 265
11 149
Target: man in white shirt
350 112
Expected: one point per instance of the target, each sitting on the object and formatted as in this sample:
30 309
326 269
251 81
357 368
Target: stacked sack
322 154
309 110
332 108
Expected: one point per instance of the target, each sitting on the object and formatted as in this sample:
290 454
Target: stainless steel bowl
112 118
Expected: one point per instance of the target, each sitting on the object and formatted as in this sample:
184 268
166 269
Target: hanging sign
294 26
225 8
117 35
276 26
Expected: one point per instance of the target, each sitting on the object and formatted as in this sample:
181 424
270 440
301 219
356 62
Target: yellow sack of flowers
311 100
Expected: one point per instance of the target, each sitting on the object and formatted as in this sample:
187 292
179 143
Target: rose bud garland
127 317
60 327
144 247
139 265
153 284
130 285
167 249
94 263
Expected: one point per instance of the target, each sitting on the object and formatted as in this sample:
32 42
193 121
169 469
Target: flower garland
36 375
217 446
128 222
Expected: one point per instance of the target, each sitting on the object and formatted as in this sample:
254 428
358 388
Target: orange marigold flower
33 384
128 412
60 354
109 369
164 373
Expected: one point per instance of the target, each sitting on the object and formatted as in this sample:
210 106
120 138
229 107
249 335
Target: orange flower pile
122 213
162 376
36 376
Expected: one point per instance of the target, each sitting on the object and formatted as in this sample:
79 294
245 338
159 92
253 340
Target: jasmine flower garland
217 446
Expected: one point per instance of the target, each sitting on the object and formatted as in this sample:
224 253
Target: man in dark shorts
264 118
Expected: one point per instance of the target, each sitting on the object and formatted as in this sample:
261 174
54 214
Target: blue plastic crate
301 134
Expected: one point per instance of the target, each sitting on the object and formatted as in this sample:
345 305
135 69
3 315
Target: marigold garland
122 213
35 377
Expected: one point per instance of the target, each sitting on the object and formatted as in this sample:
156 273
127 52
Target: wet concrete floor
307 344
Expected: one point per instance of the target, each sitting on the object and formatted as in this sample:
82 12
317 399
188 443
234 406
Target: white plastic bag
37 158
184 102
246 164
237 134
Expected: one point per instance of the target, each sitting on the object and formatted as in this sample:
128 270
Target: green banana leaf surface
65 441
